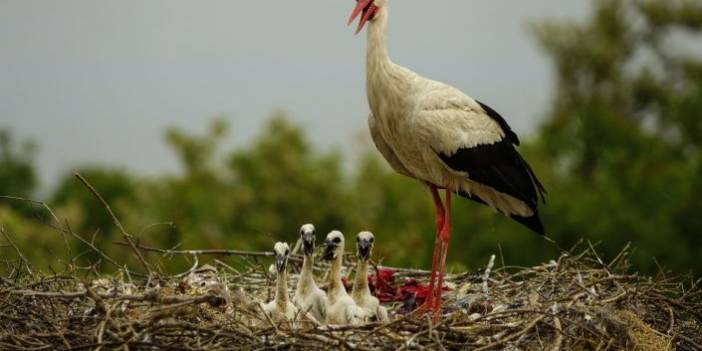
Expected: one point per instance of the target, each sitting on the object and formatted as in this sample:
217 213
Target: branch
118 224
19 253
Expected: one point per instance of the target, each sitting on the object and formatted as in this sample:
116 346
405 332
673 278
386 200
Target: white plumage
308 296
361 292
341 308
280 308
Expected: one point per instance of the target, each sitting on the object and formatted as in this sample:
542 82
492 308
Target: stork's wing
471 138
452 120
500 167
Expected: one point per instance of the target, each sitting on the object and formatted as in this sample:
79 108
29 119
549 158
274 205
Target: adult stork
434 133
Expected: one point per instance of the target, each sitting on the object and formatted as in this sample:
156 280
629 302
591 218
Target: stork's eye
336 240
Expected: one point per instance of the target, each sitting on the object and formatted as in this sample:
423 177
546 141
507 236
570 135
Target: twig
559 329
116 221
512 336
95 248
192 269
200 252
24 259
486 275
48 209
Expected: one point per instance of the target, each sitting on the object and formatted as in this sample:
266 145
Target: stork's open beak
329 251
366 9
308 244
280 263
364 249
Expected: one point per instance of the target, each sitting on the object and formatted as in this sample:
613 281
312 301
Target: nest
577 302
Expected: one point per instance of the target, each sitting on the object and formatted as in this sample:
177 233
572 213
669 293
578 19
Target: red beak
360 7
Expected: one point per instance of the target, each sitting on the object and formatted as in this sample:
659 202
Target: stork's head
308 238
282 250
333 246
364 245
366 9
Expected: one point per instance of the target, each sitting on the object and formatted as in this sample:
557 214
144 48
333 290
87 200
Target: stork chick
361 293
341 309
281 309
308 296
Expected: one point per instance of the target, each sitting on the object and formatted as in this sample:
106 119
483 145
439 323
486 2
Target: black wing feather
511 135
502 168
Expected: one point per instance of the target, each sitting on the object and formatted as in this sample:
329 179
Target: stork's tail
532 222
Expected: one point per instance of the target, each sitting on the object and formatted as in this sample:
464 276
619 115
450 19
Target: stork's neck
281 293
306 276
376 53
385 81
360 284
335 285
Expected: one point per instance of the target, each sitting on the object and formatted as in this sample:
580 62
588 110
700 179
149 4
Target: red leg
444 236
430 302
440 222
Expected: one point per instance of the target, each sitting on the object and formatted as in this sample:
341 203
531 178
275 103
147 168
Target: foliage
619 151
17 175
623 134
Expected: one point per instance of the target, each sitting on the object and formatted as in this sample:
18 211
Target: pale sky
98 81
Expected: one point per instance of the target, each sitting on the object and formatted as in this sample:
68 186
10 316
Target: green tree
281 183
17 174
622 137
86 215
194 201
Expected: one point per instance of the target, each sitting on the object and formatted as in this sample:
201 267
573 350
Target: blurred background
222 124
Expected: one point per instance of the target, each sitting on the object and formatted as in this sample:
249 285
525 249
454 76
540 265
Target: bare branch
116 221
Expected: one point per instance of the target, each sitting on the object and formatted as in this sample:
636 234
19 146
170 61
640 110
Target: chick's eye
287 251
336 240
371 240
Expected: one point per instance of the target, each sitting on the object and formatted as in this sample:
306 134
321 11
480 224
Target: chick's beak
280 263
308 245
329 251
364 247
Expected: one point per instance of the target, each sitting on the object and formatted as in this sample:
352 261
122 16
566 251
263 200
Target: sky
97 82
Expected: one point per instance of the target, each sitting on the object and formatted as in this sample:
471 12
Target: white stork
341 308
280 308
361 292
308 295
434 133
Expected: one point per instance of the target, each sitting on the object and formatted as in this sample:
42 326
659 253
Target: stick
118 224
201 252
486 275
48 209
92 246
19 253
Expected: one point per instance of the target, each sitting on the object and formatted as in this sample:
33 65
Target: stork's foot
429 308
